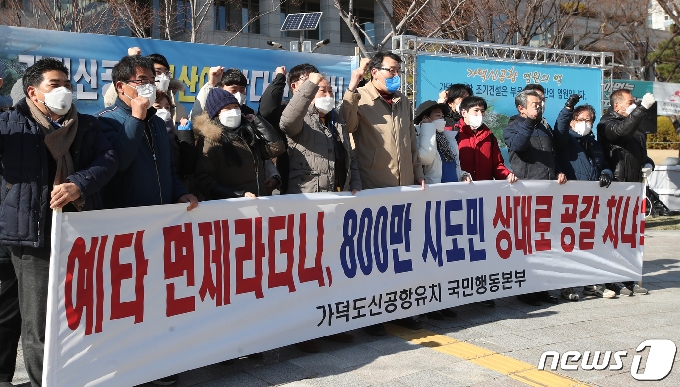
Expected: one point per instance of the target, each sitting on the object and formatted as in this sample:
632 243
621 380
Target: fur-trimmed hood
204 126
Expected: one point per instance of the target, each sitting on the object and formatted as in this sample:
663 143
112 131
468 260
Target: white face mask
164 114
163 82
439 124
324 104
231 118
475 121
630 108
59 100
583 128
147 91
241 98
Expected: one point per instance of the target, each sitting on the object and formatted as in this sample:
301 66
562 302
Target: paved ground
484 346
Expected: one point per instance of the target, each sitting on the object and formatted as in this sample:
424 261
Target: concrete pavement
488 347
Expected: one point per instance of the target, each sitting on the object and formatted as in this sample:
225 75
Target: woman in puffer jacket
437 147
233 150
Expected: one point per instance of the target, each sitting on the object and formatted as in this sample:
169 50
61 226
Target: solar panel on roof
301 21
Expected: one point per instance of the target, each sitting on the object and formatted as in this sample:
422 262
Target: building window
365 17
233 15
184 15
292 7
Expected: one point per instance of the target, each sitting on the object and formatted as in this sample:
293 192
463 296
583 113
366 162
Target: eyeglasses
394 71
161 72
584 120
138 82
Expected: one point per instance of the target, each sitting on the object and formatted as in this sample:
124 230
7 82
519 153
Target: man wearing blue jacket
147 174
52 158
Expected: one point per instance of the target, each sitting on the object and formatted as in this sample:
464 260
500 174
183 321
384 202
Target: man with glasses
147 174
163 80
582 158
379 117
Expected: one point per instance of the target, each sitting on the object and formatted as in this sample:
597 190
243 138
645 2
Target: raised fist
215 75
648 100
572 101
443 96
316 78
139 107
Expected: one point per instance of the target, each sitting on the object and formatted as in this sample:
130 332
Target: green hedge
666 137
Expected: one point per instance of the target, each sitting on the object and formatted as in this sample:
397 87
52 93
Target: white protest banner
667 98
141 293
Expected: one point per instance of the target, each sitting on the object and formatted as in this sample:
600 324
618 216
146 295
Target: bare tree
403 16
73 15
274 6
137 16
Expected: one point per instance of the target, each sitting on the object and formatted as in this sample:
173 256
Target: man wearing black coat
624 142
532 156
52 158
625 146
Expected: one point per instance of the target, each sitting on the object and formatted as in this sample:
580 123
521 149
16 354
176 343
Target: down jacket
480 154
429 156
311 146
581 157
25 183
217 175
624 143
147 171
530 147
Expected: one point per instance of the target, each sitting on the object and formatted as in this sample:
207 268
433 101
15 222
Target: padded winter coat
311 146
25 189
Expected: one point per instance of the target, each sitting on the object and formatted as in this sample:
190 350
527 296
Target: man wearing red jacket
478 148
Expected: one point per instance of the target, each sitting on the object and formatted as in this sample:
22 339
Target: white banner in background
667 98
141 293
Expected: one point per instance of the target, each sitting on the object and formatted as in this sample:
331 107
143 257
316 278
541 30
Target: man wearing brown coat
379 118
382 127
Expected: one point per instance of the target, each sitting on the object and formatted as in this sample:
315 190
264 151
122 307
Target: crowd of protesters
145 149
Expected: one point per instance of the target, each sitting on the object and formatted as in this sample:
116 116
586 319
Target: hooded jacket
25 189
530 147
384 138
581 157
480 154
147 172
218 175
312 146
625 145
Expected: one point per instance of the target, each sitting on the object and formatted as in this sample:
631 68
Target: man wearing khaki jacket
379 118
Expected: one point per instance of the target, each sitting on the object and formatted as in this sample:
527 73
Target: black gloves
572 101
605 179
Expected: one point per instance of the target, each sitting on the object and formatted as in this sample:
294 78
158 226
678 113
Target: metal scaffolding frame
409 47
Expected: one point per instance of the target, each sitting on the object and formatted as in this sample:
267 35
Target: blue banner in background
91 57
499 82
